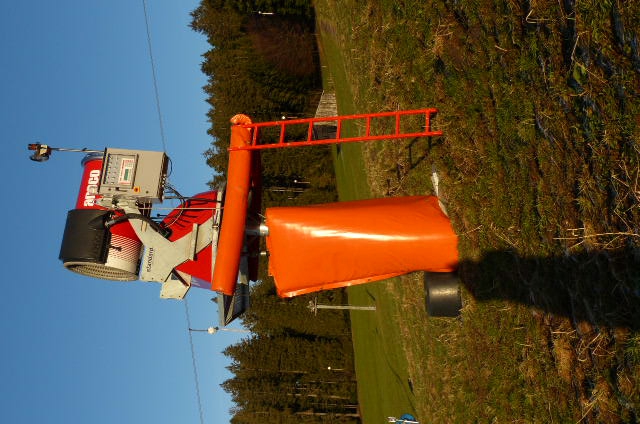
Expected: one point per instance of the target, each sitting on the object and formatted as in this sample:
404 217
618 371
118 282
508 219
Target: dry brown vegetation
540 106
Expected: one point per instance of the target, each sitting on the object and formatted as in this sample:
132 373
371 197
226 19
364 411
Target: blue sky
75 349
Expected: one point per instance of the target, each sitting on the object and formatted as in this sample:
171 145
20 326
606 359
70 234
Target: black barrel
442 290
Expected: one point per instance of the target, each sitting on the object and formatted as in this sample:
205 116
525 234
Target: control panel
138 174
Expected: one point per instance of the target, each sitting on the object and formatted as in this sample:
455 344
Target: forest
296 366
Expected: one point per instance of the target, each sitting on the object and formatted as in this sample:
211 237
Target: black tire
442 291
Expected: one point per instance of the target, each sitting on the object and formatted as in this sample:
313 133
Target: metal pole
349 307
401 420
85 150
314 306
214 330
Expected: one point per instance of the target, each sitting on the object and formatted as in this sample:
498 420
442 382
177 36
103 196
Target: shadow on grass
601 287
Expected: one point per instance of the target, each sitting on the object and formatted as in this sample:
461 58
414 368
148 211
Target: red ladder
370 120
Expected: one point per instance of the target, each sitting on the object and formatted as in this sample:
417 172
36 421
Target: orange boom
334 245
234 216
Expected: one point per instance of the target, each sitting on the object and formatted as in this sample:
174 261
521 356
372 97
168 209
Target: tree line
266 66
296 366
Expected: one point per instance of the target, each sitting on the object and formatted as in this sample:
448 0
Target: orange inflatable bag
335 245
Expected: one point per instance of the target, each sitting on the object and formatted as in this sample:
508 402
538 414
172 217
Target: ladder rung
311 123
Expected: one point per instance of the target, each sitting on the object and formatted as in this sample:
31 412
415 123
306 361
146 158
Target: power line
164 148
193 361
153 74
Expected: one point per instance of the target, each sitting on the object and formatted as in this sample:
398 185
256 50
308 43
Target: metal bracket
176 286
161 255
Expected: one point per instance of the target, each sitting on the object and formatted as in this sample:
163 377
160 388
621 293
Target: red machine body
88 247
88 192
113 252
196 210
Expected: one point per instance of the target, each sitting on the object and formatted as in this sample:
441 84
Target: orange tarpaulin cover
341 244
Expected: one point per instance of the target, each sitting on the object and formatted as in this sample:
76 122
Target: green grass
383 380
348 161
380 364
539 170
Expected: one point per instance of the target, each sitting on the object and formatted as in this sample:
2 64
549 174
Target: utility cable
153 74
164 148
193 360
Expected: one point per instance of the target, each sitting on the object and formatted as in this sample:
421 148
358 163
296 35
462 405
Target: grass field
539 167
381 363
